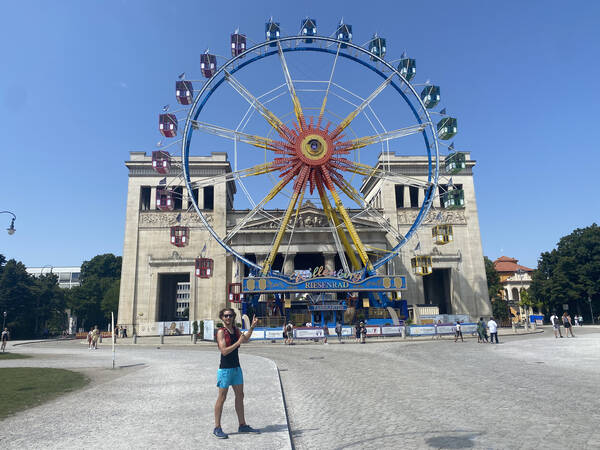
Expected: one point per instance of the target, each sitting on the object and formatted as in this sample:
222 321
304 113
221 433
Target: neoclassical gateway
159 280
336 193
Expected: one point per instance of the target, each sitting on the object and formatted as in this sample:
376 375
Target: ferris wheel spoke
322 111
288 80
273 120
366 102
368 171
338 232
381 137
257 141
259 169
299 186
276 190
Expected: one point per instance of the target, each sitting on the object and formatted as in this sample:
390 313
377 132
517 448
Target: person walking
357 332
555 320
458 332
229 340
566 320
5 337
325 333
363 333
284 333
89 338
481 331
338 331
95 336
576 319
289 330
493 327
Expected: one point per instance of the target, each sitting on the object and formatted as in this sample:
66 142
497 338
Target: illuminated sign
260 285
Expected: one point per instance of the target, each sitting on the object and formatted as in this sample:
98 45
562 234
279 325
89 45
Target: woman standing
567 324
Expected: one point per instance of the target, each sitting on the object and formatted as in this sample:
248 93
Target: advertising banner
445 329
274 334
257 334
389 331
173 328
468 328
308 333
418 330
373 330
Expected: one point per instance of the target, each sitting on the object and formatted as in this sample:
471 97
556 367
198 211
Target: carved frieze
160 219
453 217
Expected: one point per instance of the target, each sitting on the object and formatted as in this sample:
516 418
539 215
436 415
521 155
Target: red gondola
180 236
235 292
164 199
161 161
208 64
238 44
167 125
184 91
204 267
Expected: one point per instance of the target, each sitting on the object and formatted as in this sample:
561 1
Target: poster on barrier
373 330
347 331
257 334
274 334
468 328
388 331
417 330
308 333
445 329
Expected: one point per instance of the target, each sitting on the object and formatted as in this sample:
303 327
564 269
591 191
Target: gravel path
156 398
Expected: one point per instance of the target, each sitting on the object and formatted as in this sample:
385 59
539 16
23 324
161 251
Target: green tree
98 277
500 309
17 299
493 279
110 301
570 273
49 312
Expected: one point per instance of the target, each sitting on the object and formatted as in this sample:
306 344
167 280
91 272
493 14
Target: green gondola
446 128
455 162
454 199
430 96
408 68
377 47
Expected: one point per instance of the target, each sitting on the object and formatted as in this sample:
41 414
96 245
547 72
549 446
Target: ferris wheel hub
314 146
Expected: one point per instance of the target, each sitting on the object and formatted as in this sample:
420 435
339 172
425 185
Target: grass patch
4 356
26 387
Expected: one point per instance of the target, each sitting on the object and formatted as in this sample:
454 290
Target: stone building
514 278
158 281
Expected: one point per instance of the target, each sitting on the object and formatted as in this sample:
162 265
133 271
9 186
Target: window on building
399 196
177 197
414 196
209 197
145 192
75 277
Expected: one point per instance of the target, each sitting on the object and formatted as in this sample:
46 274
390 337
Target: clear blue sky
82 83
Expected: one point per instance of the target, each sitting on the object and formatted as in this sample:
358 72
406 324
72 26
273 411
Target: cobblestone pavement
530 391
157 398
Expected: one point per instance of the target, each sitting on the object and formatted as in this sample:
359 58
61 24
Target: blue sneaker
247 429
219 434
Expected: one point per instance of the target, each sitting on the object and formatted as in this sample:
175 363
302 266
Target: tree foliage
98 292
31 304
500 309
493 278
570 273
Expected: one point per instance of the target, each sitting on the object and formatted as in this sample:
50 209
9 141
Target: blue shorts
229 377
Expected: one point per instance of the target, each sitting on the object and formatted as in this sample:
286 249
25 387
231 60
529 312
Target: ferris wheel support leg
336 221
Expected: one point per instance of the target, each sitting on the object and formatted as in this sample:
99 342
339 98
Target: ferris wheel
306 118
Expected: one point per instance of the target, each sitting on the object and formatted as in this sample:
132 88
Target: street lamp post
589 301
4 320
11 229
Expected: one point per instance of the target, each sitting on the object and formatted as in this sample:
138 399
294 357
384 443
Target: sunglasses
227 315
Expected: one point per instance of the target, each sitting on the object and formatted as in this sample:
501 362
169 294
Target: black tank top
232 359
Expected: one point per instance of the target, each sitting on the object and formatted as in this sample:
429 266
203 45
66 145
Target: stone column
201 198
153 198
329 261
421 197
406 196
288 265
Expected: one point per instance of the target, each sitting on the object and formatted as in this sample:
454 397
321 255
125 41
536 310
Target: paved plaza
531 391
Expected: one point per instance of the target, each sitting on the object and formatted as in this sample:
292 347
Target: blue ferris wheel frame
197 106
